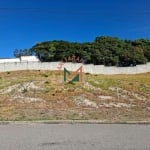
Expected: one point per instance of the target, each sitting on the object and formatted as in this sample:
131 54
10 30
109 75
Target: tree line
104 50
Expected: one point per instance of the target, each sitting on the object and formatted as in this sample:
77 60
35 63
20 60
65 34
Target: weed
24 90
70 82
46 91
46 82
45 75
130 83
87 73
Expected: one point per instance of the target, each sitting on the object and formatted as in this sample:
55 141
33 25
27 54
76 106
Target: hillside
42 95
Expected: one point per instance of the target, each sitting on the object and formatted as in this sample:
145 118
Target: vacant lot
36 95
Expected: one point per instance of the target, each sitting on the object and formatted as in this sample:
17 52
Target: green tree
104 50
22 52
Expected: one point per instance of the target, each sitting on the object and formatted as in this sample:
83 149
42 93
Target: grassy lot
38 95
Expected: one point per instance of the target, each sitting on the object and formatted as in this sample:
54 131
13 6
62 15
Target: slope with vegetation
36 95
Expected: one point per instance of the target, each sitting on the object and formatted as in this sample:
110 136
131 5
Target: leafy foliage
104 50
22 52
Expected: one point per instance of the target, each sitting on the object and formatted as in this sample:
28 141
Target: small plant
130 83
72 83
46 82
46 91
24 90
45 75
87 73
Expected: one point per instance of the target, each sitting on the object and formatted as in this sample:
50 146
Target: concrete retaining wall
93 69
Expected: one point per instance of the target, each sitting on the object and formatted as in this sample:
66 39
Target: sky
23 23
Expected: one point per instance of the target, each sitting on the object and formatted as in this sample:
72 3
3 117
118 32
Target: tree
22 52
45 51
104 50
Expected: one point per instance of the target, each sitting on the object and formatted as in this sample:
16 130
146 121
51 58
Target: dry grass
36 95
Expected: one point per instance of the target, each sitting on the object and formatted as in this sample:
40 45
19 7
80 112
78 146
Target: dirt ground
42 95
